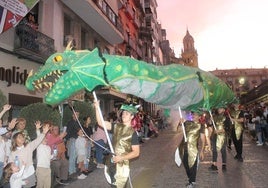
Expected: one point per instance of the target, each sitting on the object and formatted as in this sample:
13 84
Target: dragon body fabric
170 87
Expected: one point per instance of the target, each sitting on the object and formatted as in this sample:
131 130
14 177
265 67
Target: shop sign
13 75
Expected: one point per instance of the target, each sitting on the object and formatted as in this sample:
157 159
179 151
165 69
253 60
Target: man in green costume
237 117
125 143
218 139
189 150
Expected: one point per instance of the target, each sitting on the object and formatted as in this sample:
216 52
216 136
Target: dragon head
67 73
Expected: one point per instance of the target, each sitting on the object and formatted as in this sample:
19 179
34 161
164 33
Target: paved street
156 168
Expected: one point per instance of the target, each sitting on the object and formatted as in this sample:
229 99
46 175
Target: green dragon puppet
170 87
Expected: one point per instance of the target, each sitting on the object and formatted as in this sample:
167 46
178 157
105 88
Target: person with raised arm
124 141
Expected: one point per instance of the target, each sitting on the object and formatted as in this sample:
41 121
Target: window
96 43
67 25
67 31
254 81
83 39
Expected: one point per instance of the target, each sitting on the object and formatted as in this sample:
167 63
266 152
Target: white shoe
100 165
259 144
81 176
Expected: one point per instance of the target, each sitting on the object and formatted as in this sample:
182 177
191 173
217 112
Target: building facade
119 27
88 24
241 81
189 56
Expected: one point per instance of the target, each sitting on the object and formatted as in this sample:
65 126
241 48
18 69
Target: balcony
145 32
139 52
138 4
32 44
136 22
126 36
132 44
129 12
148 7
99 16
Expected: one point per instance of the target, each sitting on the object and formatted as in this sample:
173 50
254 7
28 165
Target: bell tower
189 53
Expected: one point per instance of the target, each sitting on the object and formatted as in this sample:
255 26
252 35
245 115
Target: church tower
189 53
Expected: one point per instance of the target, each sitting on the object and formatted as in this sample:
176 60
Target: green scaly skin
64 74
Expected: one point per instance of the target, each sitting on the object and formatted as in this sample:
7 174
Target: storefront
13 74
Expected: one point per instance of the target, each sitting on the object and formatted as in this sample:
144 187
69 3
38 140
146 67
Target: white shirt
2 149
80 146
43 156
5 149
3 130
16 179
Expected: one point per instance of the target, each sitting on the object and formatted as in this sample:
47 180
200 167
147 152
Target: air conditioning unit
67 39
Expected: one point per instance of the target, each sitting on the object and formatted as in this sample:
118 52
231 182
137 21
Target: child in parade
237 117
219 139
125 143
188 150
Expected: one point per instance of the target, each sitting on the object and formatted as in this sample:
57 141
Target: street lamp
241 80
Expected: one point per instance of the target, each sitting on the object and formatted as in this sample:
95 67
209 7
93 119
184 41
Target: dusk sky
228 33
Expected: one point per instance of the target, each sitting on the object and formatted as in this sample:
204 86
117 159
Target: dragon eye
57 58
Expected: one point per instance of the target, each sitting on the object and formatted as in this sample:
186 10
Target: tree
41 112
3 101
84 108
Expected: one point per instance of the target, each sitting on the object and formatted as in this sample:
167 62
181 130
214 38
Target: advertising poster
13 11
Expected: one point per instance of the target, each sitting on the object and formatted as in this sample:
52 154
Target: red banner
13 11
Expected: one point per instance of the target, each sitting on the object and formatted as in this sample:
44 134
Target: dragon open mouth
48 80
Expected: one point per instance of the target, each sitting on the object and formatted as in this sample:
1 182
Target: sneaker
81 176
224 168
190 185
260 144
213 168
100 165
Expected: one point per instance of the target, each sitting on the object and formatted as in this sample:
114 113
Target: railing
129 11
139 52
145 31
136 22
109 13
132 44
33 44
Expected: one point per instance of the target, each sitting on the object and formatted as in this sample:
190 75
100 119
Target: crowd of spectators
257 122
58 156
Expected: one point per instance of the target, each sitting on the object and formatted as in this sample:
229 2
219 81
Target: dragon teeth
30 73
50 84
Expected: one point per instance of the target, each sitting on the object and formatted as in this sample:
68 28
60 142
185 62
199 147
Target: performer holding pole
102 123
182 124
189 150
125 142
213 122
